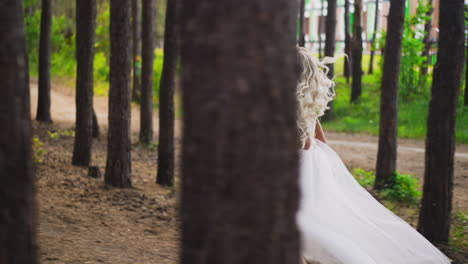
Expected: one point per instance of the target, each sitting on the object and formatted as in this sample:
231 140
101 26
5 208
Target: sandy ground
84 221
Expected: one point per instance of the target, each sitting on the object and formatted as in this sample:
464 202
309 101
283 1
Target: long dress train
340 222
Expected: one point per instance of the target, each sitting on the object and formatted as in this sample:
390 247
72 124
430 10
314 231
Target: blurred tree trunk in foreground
85 35
434 218
330 41
146 98
347 64
374 36
240 175
166 97
356 86
45 47
118 164
136 48
17 196
388 131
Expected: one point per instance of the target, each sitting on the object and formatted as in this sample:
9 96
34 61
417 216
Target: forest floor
84 221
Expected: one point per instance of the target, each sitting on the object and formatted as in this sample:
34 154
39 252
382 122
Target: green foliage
158 66
364 117
405 189
365 178
411 82
63 133
38 150
459 231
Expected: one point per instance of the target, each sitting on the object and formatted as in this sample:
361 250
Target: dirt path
84 221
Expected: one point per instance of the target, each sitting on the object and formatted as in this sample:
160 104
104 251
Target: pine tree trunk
118 164
356 86
434 218
95 125
85 35
43 105
466 77
387 151
374 36
330 47
136 46
427 40
146 102
301 23
347 64
240 182
320 28
17 203
166 95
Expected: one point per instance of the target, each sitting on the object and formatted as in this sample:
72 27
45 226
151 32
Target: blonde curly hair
314 91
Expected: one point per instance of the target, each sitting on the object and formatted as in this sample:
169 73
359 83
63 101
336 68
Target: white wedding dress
340 222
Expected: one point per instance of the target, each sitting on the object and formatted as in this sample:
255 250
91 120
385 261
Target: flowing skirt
340 222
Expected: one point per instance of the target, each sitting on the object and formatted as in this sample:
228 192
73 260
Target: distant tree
330 40
466 78
436 206
17 198
136 46
356 86
387 150
166 95
118 164
374 36
427 39
301 23
85 35
240 182
146 101
43 105
347 64
320 26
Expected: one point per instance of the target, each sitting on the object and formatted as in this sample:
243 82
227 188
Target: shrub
405 190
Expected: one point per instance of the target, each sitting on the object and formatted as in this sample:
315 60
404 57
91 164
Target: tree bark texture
434 218
356 85
387 149
45 47
146 102
136 48
118 165
240 156
85 35
17 196
166 95
374 36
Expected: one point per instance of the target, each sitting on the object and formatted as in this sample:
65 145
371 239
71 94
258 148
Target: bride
340 222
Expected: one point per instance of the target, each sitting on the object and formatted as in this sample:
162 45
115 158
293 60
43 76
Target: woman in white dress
340 222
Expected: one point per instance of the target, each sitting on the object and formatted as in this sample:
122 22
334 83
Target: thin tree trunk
136 46
356 86
118 164
166 95
347 64
427 40
301 23
240 182
95 125
17 203
43 105
374 36
146 103
466 77
387 150
436 207
330 42
85 35
320 28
